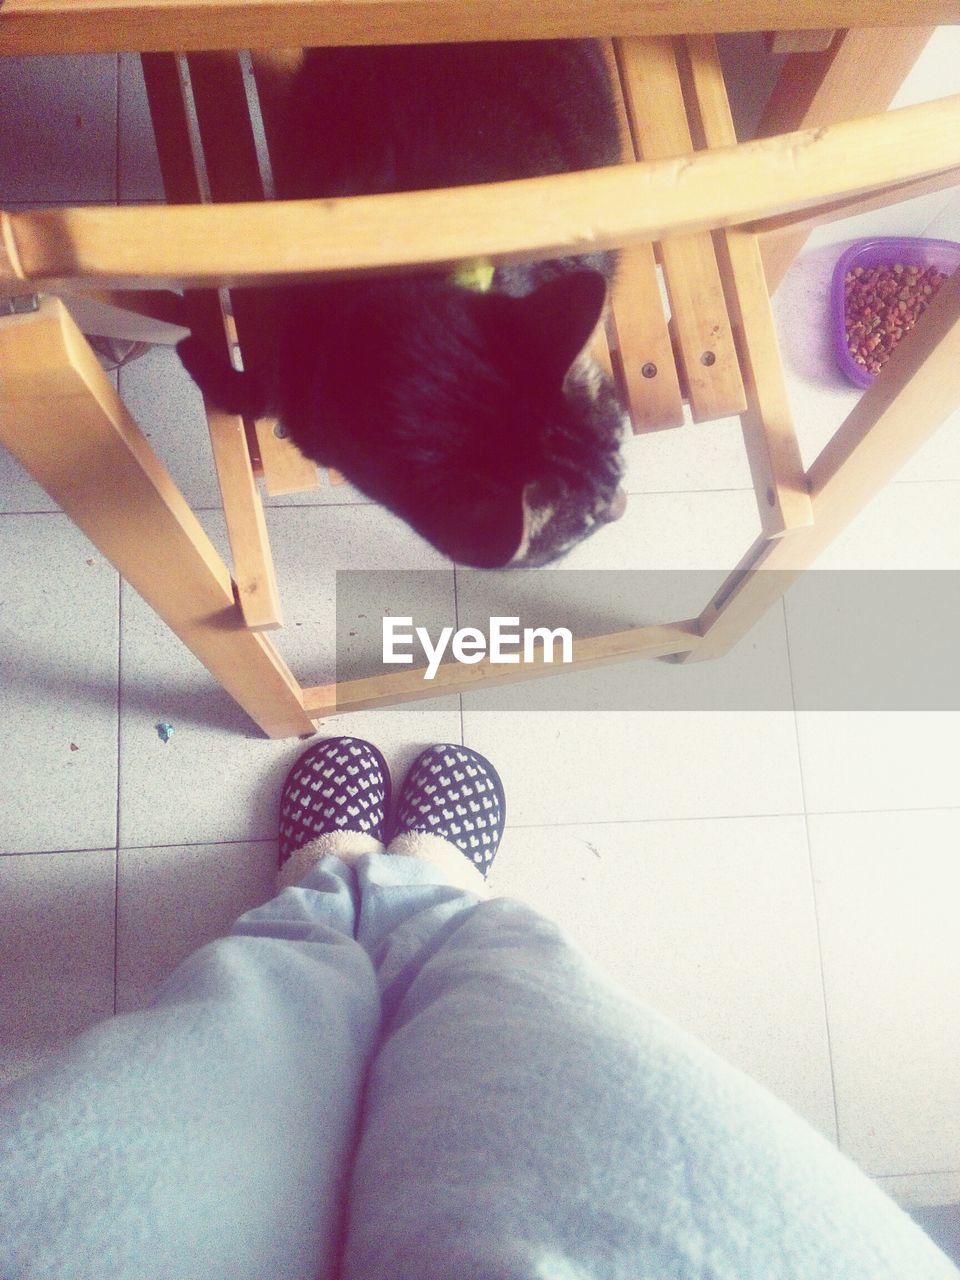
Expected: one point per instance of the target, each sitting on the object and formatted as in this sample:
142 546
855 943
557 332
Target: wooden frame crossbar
111 26
246 244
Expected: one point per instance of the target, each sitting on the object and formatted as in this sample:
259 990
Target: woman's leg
207 1135
210 1135
524 1119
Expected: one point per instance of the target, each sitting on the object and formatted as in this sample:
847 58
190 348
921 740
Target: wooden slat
768 429
821 89
285 469
230 153
639 325
658 123
274 70
181 184
110 26
564 213
229 149
105 476
644 349
216 85
452 677
918 390
788 224
256 582
161 76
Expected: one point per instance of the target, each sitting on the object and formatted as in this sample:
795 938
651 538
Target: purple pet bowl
882 252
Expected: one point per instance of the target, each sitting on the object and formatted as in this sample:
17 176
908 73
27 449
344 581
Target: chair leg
60 415
919 389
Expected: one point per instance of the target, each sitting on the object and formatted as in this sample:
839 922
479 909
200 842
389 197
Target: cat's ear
556 321
475 523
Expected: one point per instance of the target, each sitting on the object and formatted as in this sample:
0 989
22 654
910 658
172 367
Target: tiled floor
783 883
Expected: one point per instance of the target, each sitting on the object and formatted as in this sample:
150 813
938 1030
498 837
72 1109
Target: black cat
473 412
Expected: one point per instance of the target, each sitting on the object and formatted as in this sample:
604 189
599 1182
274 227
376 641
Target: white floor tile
58 128
19 492
907 526
710 922
58 697
946 224
874 641
882 757
887 886
920 1190
867 760
172 901
672 531
217 779
168 408
579 767
392 571
56 952
640 759
939 459
695 457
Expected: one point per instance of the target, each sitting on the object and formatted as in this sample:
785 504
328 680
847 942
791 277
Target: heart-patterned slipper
455 793
339 784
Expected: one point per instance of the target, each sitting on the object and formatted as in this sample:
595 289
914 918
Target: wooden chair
719 218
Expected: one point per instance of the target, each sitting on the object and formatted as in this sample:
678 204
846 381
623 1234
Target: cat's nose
618 505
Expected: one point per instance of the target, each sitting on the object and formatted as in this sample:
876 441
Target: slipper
455 793
339 784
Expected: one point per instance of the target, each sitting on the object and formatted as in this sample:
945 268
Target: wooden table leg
60 415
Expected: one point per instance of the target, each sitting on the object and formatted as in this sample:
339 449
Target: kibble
881 304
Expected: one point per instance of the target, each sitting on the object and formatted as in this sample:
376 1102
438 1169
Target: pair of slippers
343 784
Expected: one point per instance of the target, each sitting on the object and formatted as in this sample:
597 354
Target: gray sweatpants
380 1075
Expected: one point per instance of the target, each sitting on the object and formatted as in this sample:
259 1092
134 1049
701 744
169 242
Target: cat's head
512 455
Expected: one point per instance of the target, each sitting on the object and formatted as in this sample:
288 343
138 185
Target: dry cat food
880 304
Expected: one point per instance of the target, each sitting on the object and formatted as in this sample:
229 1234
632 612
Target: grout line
732 817
55 853
197 844
116 862
116 891
813 883
627 822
